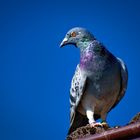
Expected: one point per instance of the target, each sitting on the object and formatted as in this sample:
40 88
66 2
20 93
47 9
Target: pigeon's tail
79 121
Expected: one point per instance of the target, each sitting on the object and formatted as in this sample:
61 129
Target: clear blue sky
36 74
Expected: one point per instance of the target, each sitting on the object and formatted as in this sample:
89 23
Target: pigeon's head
77 36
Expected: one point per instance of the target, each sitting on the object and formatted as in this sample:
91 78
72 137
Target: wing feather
124 80
76 91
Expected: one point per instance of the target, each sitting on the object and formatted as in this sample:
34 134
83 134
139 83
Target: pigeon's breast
103 87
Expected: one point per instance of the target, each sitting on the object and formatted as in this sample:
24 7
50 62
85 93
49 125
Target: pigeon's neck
85 54
89 53
82 45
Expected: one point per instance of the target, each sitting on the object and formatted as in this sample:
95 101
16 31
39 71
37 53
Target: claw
96 124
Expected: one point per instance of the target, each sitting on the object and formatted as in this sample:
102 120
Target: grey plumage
99 82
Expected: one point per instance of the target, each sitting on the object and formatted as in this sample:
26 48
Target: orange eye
73 34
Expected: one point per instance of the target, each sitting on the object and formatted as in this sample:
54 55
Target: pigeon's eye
73 34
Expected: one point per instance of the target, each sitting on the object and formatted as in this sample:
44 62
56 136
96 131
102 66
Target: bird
99 82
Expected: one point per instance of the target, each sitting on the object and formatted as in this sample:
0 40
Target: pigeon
99 82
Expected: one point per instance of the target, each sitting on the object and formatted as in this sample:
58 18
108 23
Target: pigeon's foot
105 125
96 124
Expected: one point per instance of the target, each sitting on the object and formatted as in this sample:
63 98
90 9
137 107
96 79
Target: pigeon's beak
64 42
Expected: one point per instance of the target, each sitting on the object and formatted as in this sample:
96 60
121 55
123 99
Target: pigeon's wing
76 91
124 80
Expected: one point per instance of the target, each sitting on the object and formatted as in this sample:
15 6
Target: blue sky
36 74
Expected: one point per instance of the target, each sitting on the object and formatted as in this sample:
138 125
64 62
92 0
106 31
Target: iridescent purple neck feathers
90 54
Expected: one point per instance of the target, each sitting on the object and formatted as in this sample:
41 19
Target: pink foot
96 124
